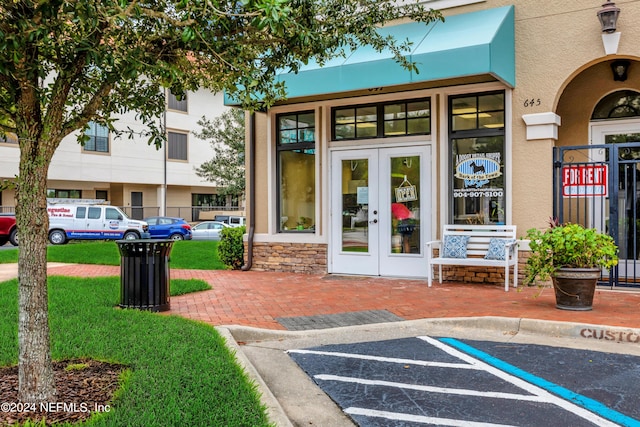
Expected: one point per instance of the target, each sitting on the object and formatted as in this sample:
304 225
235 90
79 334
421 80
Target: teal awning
470 44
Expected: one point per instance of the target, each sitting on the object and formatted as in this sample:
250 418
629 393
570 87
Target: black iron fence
598 186
189 213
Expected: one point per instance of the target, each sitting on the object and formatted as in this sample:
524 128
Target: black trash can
144 274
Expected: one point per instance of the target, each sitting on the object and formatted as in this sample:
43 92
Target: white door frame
379 259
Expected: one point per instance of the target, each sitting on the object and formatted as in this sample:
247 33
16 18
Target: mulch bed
81 393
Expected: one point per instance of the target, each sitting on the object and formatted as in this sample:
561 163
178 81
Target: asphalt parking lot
455 372
445 381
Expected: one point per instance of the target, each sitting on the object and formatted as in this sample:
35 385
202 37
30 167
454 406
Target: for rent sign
584 180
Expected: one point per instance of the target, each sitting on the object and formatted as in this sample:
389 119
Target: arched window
617 105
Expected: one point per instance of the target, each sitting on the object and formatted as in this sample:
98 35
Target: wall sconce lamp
608 17
620 68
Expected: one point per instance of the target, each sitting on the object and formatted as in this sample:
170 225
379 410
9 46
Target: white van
231 220
92 222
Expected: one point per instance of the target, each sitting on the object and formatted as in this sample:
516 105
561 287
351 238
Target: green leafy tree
226 135
64 63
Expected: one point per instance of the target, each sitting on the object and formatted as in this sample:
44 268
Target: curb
274 410
591 332
509 325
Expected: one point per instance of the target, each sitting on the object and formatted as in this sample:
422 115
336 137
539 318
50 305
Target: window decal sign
477 170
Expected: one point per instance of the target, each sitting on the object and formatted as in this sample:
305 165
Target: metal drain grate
325 321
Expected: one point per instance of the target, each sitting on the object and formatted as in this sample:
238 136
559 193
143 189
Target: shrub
231 247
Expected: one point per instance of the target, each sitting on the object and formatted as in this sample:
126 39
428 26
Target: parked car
208 230
8 230
231 220
164 227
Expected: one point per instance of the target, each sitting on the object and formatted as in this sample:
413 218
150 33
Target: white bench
477 248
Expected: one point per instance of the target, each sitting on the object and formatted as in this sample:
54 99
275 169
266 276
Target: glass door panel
354 212
355 205
405 205
405 200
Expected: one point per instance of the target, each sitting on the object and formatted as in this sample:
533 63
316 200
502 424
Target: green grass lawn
197 255
186 286
181 373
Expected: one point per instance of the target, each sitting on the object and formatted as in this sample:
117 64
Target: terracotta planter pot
575 287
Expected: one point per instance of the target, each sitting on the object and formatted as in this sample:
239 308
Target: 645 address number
531 102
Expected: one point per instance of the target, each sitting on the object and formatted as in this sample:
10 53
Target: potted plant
301 223
573 257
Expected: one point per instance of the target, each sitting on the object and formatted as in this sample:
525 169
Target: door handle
375 221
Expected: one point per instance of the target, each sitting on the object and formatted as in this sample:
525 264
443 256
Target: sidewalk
259 299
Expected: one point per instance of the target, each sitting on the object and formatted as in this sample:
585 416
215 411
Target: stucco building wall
132 165
561 71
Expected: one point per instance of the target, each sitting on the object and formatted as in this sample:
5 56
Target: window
177 104
64 194
177 146
355 123
207 200
214 200
102 195
296 171
477 112
81 212
382 120
111 213
98 138
621 104
476 139
94 213
407 118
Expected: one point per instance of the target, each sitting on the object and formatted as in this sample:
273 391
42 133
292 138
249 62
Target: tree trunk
35 370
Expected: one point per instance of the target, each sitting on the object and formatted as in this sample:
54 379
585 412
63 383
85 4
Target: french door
380 211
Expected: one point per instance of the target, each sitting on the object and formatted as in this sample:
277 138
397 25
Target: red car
8 230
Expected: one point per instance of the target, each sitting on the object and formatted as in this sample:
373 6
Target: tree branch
89 110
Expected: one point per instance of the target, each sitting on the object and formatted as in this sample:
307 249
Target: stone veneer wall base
311 258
